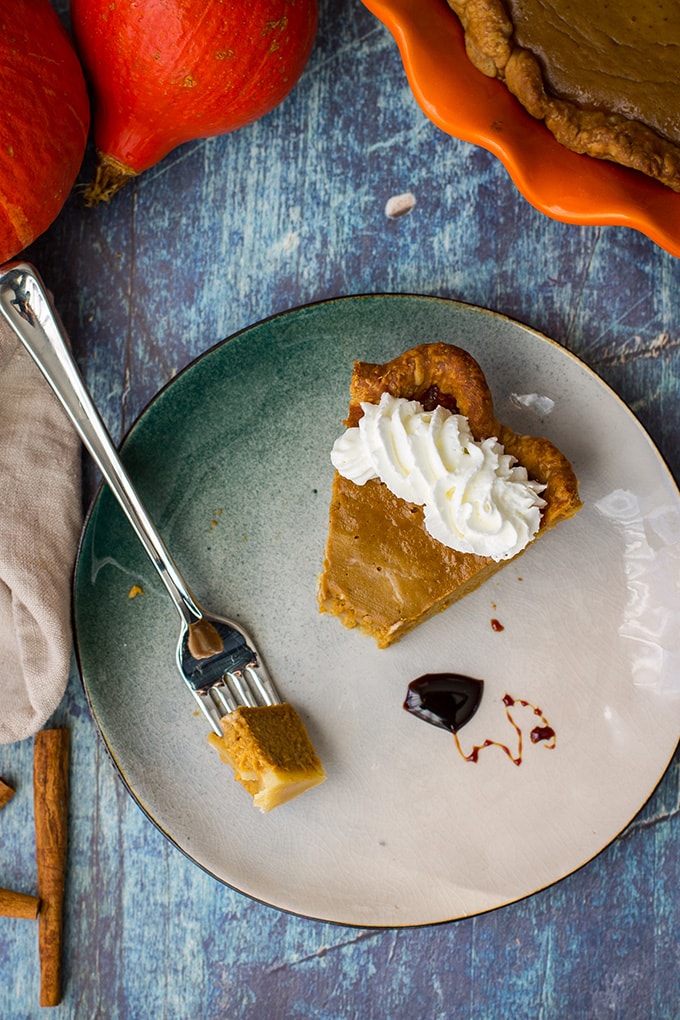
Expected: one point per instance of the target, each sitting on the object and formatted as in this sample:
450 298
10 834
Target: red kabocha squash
165 72
46 118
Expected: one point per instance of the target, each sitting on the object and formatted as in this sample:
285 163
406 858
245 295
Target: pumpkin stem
110 176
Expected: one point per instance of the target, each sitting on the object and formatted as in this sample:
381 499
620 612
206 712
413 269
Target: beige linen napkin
40 520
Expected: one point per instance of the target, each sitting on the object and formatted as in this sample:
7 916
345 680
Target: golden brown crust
491 48
415 373
460 381
382 570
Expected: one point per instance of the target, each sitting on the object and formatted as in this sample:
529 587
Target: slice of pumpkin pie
432 495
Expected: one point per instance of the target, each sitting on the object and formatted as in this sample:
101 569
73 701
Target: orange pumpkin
46 117
164 72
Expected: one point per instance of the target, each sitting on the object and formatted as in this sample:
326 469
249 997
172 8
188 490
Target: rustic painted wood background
223 233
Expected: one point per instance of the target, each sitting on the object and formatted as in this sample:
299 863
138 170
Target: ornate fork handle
26 307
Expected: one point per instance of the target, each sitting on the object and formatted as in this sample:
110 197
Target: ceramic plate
466 104
232 459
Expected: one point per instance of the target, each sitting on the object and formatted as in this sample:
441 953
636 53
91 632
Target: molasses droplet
447 700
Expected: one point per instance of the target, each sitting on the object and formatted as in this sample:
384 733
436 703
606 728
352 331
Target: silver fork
216 657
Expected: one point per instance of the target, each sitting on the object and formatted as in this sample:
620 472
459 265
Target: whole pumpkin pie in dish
383 570
603 76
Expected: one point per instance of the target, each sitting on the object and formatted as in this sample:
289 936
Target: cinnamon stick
6 793
17 904
50 790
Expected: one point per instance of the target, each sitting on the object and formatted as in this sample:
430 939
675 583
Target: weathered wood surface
223 233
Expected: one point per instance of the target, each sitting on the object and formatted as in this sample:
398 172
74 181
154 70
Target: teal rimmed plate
232 460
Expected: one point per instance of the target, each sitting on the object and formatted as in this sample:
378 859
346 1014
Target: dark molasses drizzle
542 732
449 700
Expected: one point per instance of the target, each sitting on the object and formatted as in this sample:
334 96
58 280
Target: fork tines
247 687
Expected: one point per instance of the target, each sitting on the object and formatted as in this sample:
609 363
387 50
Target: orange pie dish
476 108
603 79
382 571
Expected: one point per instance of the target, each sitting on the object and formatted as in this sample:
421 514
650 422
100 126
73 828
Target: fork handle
25 305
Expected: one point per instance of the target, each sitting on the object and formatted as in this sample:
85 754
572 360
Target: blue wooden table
223 233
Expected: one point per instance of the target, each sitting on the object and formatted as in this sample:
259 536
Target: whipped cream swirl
476 498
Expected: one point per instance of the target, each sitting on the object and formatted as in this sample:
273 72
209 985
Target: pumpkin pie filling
603 76
270 752
383 572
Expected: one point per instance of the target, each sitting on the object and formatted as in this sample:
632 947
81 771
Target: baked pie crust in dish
476 108
603 77
383 572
